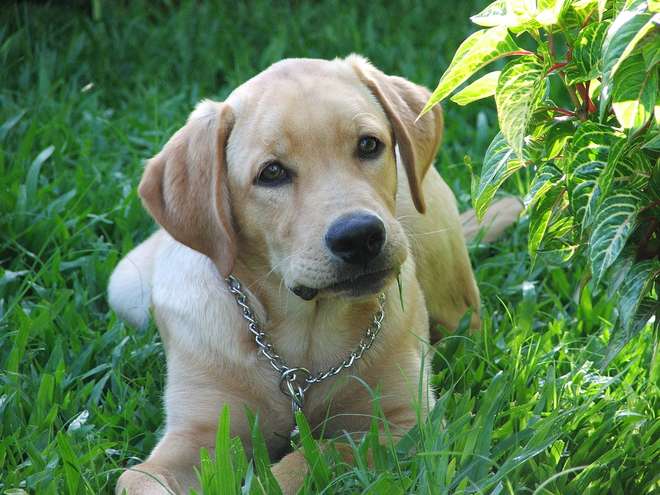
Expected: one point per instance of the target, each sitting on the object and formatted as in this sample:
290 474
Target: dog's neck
315 334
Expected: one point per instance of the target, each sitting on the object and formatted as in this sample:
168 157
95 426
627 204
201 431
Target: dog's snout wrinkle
356 238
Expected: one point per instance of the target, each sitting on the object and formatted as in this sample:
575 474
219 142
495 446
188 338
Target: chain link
295 381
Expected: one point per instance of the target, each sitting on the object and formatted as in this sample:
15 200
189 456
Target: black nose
356 238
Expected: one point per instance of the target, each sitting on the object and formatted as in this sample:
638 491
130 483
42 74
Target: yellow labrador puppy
311 186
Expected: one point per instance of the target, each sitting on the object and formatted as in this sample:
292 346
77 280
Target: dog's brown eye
273 174
369 147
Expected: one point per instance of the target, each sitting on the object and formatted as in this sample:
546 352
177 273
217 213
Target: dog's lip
357 285
360 281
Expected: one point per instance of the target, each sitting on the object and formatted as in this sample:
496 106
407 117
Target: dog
312 186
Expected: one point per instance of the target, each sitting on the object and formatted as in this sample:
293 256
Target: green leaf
653 143
633 289
548 12
651 50
227 483
319 470
574 17
261 458
520 89
587 157
618 272
634 93
478 50
627 168
540 216
481 88
70 461
547 177
31 181
646 309
586 62
10 123
499 163
615 221
627 30
520 15
494 15
613 158
556 139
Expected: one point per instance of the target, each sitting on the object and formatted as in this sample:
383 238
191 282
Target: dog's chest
316 343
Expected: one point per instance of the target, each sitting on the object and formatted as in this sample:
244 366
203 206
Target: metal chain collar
295 381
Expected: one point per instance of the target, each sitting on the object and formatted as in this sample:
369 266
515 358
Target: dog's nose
356 238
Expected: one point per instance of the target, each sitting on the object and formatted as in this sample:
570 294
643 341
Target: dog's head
295 175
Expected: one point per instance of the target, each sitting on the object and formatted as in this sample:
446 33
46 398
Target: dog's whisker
430 232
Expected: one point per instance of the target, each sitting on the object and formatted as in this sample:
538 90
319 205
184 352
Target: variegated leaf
520 15
520 89
478 50
626 168
494 15
499 163
632 24
587 158
646 309
546 178
540 216
634 288
586 63
481 88
634 93
614 222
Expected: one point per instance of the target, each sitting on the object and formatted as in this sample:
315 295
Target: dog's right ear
184 186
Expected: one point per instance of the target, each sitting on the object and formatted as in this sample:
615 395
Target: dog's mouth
362 284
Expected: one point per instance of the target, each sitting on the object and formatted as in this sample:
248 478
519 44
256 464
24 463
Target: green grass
524 406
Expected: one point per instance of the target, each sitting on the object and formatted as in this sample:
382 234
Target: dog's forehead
303 96
301 73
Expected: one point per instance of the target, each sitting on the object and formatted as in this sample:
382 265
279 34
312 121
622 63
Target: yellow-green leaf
478 50
519 15
634 93
631 25
499 163
520 88
481 88
585 65
615 221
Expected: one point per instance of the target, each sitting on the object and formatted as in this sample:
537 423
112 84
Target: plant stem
558 65
551 46
555 66
571 91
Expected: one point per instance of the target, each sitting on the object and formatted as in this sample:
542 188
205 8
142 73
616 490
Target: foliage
593 163
86 97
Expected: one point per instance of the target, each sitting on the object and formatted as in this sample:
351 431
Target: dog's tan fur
309 114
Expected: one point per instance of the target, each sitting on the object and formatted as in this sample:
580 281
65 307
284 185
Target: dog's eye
369 147
273 174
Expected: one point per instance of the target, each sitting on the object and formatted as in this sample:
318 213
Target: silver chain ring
295 381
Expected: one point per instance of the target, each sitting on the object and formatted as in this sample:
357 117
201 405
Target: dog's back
129 289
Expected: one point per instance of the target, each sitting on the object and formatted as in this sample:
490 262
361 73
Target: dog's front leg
291 470
169 469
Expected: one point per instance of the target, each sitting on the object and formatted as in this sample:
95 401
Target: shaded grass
523 405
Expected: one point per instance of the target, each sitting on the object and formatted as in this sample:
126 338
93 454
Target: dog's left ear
402 100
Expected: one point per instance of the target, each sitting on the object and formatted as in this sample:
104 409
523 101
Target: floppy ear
402 100
184 186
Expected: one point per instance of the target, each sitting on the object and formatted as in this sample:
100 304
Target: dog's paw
145 480
290 472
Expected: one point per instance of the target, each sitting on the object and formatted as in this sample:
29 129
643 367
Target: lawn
527 405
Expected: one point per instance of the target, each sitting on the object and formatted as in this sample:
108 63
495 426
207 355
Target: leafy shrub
578 106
